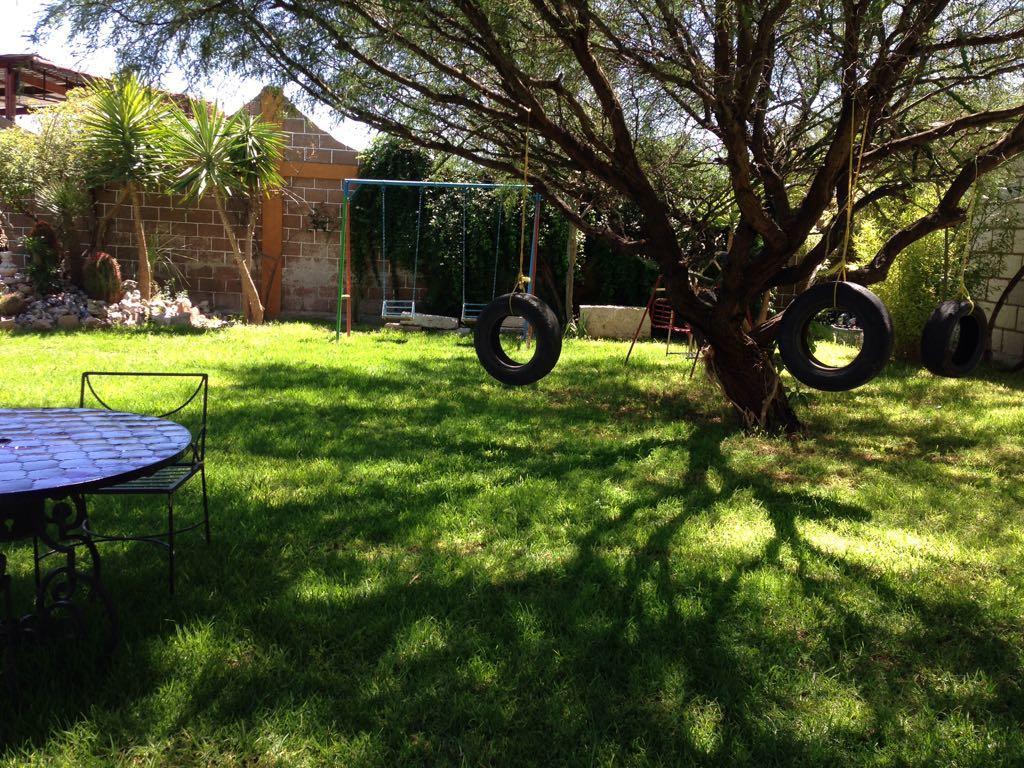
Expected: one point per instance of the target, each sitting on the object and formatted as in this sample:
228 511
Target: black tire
872 318
547 337
954 339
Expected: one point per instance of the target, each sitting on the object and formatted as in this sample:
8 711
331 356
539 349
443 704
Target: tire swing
546 331
837 298
874 323
956 336
540 321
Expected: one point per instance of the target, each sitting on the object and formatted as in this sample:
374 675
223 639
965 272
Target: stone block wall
1008 245
193 235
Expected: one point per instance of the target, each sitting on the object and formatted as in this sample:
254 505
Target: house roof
28 82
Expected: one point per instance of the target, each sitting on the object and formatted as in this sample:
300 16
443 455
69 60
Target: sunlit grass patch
415 565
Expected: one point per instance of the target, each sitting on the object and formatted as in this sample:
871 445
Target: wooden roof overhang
28 82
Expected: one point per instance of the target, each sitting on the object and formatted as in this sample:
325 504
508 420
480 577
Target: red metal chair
663 317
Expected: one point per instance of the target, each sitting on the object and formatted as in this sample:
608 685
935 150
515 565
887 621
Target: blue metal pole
530 289
534 244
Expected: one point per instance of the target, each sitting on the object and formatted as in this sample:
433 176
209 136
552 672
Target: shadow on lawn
476 653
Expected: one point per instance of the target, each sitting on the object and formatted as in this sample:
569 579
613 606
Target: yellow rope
963 293
522 280
852 176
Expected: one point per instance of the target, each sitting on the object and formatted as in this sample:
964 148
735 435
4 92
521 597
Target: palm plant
226 157
124 125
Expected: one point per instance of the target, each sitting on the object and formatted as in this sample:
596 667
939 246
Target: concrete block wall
194 232
1008 245
194 236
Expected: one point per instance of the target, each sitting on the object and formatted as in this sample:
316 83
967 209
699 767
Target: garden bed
70 308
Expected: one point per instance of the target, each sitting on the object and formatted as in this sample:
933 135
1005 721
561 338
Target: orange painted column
272 220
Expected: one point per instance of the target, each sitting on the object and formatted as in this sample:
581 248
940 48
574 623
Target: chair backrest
663 316
182 397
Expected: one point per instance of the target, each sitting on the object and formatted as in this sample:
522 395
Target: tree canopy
670 128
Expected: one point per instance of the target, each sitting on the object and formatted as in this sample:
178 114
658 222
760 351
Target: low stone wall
611 322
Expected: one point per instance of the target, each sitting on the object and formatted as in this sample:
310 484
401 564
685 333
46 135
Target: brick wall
1008 244
192 233
309 280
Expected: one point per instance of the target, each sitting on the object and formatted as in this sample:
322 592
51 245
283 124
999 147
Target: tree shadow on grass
365 574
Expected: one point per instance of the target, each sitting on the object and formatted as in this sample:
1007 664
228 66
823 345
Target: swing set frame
349 187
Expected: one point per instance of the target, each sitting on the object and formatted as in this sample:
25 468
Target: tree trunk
744 370
252 307
99 234
749 380
144 275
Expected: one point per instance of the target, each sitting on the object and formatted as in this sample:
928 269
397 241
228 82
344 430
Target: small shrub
101 278
11 304
926 273
43 269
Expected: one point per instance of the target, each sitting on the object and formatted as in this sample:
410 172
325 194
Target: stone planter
612 322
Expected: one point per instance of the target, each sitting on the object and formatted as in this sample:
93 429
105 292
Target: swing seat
471 311
393 309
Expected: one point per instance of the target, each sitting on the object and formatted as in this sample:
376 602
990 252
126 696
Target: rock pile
71 308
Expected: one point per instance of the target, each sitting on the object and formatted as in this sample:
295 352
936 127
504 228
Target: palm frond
124 126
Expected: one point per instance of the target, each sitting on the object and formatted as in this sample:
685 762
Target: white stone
611 322
434 322
7 268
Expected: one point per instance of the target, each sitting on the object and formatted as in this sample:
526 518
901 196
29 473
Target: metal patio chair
170 479
663 317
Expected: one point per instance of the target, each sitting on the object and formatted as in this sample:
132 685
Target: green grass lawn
414 565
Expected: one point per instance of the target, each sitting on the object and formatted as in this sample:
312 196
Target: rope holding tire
872 317
547 334
954 338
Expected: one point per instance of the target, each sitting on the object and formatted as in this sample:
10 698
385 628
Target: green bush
926 273
43 250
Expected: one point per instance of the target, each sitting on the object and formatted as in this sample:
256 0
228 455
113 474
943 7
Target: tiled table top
46 450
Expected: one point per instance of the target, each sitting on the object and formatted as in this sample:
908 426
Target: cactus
101 278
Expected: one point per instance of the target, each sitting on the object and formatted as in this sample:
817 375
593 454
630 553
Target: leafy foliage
209 153
124 130
212 153
44 258
929 270
663 128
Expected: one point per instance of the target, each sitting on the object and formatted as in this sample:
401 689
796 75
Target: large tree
658 125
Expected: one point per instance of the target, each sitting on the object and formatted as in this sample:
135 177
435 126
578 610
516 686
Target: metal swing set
395 307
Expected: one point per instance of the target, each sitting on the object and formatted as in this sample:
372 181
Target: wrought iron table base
60 591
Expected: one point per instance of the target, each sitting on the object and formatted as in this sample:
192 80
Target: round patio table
59 454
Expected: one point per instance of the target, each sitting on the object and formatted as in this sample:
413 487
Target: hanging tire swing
546 331
873 321
955 338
